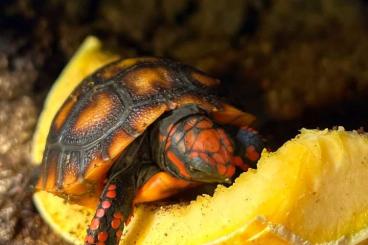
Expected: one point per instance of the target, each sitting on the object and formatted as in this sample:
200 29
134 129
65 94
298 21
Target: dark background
293 64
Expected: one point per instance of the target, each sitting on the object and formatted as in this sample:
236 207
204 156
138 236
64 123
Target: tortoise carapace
140 130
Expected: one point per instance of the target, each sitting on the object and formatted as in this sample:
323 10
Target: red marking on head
94 224
118 215
203 156
106 204
230 171
118 234
220 159
251 153
111 187
101 243
168 144
111 194
211 161
194 154
102 236
100 212
207 140
115 223
90 239
221 169
178 163
189 139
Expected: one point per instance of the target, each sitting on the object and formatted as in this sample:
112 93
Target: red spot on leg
111 187
118 215
111 194
106 204
94 224
118 234
100 212
221 169
90 239
115 223
102 236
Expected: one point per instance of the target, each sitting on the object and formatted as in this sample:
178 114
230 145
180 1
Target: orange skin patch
160 186
98 109
64 113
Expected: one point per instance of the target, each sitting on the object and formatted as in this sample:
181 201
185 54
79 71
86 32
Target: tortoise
139 130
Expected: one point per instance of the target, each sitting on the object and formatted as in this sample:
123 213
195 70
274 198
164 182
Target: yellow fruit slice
310 191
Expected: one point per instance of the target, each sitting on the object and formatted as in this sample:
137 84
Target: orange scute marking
251 153
148 80
119 142
143 118
205 80
64 113
178 163
98 109
159 186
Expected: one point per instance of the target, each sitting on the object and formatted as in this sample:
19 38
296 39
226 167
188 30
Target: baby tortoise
140 130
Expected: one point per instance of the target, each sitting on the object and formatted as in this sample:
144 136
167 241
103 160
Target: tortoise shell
106 112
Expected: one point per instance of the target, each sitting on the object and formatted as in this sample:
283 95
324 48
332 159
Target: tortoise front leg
113 208
116 204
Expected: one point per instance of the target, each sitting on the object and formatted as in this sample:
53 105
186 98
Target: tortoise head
196 149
